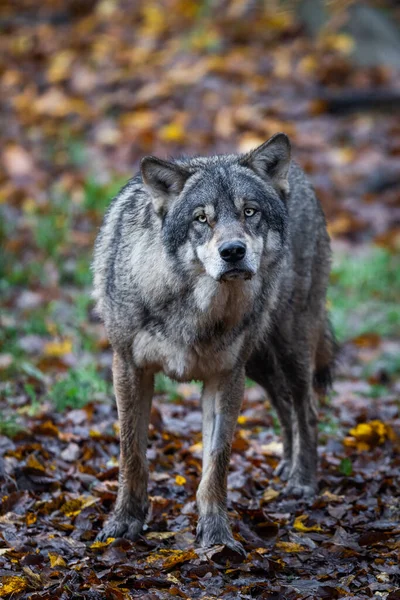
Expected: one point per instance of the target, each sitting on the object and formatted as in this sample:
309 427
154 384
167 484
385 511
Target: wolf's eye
249 212
201 218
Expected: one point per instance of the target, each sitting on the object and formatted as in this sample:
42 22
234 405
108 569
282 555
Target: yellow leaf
33 463
47 428
73 507
180 480
290 547
279 20
178 557
269 495
171 557
308 64
57 349
299 524
173 132
102 544
140 119
242 420
368 435
56 560
341 42
153 18
30 519
60 66
10 584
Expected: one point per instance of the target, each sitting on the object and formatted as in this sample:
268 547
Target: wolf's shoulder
298 180
131 205
302 197
130 193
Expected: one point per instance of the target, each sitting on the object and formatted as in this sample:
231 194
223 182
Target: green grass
33 323
9 425
346 467
78 388
166 386
376 391
328 427
98 196
389 362
51 229
76 272
364 294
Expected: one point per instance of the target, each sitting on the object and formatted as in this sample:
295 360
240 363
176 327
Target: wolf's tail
325 359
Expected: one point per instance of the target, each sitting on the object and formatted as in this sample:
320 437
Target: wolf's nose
232 251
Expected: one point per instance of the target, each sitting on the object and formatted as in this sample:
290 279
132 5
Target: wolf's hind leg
303 474
221 401
264 369
133 391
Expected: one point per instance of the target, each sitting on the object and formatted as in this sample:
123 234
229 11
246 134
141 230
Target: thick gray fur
171 303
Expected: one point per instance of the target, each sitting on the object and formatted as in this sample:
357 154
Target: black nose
232 251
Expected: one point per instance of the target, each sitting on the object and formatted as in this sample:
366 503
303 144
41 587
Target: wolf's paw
283 469
234 550
214 530
299 489
117 527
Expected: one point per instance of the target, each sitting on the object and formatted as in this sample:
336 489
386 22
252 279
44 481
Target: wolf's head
223 214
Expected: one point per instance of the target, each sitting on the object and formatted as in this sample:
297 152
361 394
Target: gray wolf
213 269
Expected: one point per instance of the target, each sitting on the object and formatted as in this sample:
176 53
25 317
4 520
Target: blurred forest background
88 87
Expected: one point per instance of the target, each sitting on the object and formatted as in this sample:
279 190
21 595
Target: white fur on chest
179 354
183 362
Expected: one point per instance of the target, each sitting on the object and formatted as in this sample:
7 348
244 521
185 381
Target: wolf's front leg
221 401
133 391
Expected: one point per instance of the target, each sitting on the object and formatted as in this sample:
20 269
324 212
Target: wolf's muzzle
232 252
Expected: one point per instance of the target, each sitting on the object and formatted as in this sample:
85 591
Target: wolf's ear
271 160
164 180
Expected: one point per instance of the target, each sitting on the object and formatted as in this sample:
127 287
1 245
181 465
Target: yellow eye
201 218
249 212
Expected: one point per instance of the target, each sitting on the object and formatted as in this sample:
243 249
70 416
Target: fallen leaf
56 560
269 495
290 547
10 584
299 524
58 349
369 435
